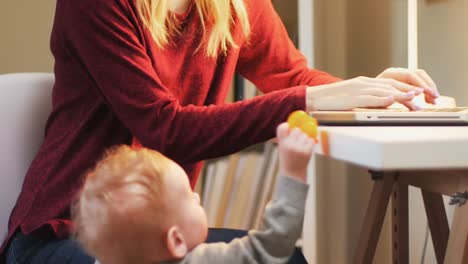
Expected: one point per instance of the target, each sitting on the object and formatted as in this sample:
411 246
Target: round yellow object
309 128
303 121
296 118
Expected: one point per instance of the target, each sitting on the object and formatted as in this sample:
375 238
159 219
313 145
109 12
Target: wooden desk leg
457 250
400 237
373 220
438 223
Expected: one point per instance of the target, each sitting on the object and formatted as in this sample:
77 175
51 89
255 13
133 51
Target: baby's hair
119 205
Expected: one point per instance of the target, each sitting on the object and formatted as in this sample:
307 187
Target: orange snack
303 121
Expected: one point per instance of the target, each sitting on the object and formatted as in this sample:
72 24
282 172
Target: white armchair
25 103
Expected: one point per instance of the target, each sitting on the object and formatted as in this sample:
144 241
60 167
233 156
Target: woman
157 72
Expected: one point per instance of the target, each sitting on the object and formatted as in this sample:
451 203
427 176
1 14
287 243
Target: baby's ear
176 243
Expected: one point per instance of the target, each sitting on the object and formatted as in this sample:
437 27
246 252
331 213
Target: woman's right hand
361 92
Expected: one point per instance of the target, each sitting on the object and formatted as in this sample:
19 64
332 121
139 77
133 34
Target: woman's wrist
309 100
313 95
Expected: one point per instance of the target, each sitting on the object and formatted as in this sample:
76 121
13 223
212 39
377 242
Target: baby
137 206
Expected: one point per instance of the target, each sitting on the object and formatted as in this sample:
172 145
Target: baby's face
185 206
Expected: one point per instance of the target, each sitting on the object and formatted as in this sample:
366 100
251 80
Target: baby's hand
295 150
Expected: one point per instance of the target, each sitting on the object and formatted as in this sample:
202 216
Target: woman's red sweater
113 84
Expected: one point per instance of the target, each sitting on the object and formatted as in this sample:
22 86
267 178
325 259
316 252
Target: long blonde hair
219 15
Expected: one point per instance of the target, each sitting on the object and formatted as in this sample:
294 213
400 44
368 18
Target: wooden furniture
434 159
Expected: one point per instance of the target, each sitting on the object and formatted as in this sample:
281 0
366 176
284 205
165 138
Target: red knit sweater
113 83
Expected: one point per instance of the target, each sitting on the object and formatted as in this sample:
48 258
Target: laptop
362 116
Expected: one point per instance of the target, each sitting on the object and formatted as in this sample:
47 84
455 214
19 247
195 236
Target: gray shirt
273 243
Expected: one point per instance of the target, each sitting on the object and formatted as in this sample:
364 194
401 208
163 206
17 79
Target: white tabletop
390 148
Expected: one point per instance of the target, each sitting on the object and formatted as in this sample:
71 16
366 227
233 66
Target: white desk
432 158
394 148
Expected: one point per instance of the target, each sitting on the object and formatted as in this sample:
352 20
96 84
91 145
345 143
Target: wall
25 30
287 12
330 36
443 45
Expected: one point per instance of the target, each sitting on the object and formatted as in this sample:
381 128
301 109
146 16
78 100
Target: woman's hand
393 85
418 78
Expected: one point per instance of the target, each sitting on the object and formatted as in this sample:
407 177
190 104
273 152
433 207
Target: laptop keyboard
432 110
451 109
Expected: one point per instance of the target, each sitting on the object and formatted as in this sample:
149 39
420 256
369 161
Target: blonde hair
116 210
217 17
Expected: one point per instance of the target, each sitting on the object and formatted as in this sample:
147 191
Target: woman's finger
414 79
432 93
401 86
410 105
384 90
423 75
417 80
405 99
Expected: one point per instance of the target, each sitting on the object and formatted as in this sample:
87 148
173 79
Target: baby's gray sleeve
276 239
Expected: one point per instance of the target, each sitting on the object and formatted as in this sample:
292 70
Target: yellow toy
304 122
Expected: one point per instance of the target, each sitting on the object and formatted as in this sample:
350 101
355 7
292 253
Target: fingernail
432 91
410 94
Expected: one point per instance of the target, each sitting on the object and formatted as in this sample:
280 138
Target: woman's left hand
418 78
